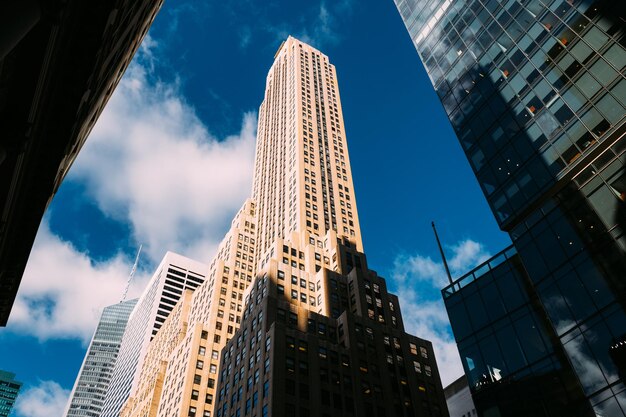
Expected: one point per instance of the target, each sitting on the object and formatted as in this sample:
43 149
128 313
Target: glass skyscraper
9 388
536 93
93 379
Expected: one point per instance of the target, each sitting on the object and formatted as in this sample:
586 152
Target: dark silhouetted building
536 93
59 63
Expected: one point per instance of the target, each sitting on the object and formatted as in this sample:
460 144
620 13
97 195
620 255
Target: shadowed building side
59 64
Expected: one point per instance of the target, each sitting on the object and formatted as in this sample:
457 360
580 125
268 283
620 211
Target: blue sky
170 162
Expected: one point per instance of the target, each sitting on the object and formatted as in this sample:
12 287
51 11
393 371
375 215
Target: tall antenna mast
443 256
132 274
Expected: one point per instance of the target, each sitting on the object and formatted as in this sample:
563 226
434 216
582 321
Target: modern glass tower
290 321
536 92
9 388
95 373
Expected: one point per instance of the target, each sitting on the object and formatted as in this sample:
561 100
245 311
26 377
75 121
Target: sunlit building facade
536 92
173 276
290 321
320 334
178 376
95 373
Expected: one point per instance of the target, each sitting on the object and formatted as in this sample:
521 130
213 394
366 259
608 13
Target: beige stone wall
302 179
216 315
144 401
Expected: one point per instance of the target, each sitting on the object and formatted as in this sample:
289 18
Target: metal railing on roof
479 271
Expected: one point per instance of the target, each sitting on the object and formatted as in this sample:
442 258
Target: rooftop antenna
443 256
132 274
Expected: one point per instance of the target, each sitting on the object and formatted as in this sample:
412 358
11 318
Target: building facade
9 389
320 334
459 398
95 373
173 276
60 62
536 92
290 321
179 374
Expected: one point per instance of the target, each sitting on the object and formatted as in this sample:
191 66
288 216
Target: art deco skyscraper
95 373
290 314
320 334
536 92
302 178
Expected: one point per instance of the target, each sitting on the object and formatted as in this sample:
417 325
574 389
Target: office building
95 373
179 375
459 398
290 321
59 64
9 389
172 277
536 92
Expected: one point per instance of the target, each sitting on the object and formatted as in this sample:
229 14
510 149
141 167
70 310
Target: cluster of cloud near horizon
149 163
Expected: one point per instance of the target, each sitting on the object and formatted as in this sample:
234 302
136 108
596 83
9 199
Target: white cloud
152 163
63 291
425 317
48 399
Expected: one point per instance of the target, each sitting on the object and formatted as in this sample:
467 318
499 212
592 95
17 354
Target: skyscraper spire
132 274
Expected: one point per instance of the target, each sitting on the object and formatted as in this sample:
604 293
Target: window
199 364
201 350
192 412
213 369
197 379
423 352
194 394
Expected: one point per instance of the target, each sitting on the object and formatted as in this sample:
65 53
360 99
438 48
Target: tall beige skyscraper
302 177
288 297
